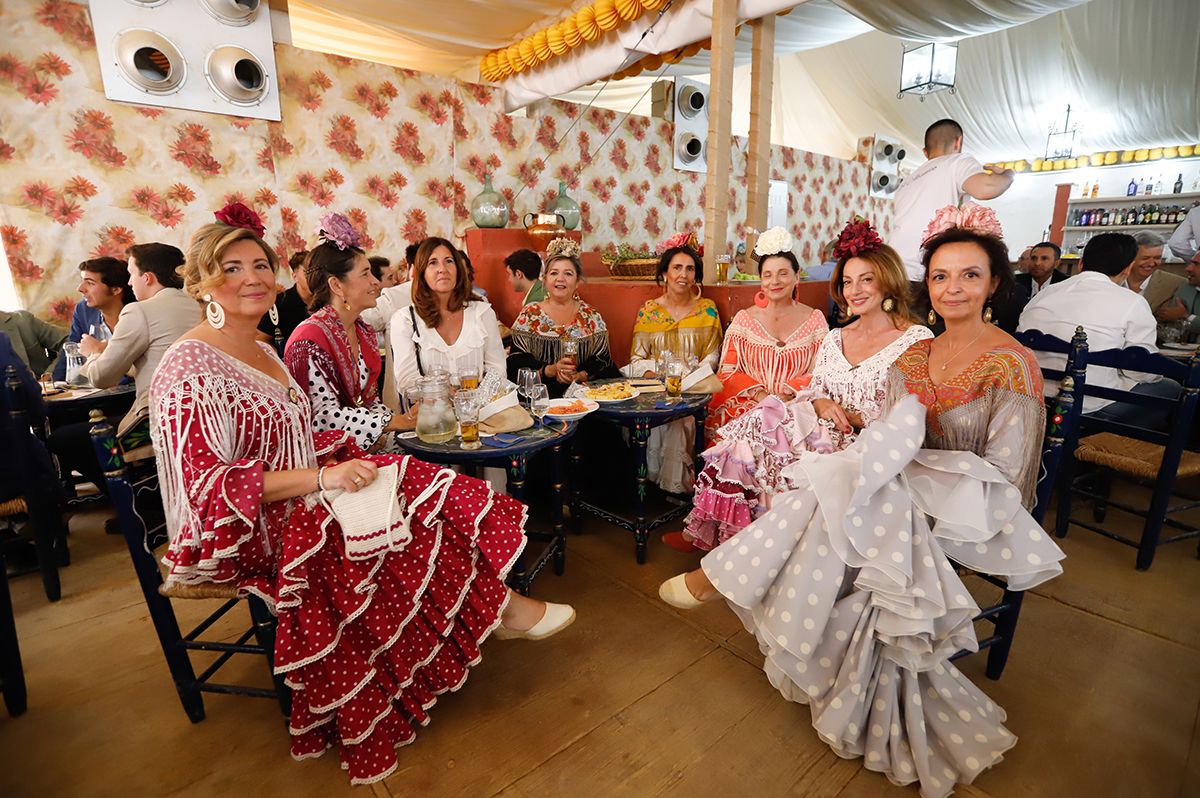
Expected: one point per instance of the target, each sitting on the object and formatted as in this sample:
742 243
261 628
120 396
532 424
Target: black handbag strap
416 344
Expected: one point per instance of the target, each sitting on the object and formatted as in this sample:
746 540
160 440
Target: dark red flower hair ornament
235 214
856 239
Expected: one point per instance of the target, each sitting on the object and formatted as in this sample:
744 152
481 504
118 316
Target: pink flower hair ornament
975 218
337 230
684 239
856 239
235 214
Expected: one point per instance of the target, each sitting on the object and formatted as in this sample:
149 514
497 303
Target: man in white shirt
1113 318
947 178
1186 239
146 328
391 300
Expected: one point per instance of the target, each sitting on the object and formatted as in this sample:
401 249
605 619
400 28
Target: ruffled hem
848 587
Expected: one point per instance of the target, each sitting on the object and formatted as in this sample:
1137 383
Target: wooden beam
720 137
758 152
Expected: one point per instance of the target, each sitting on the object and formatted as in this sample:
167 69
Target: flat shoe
556 618
675 592
677 541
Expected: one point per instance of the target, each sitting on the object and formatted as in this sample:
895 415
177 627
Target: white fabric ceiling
1129 68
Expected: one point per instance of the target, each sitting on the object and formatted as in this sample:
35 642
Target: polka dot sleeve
365 424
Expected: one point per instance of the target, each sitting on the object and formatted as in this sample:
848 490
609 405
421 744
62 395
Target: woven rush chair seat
1132 456
15 506
207 590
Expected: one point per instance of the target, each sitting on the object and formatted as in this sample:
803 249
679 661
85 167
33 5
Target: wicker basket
633 269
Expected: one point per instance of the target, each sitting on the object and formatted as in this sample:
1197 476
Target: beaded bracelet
320 478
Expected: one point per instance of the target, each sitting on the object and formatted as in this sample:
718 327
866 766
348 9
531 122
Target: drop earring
760 299
214 313
987 314
273 315
931 318
888 305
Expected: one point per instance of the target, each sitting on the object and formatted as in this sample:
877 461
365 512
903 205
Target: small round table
639 415
514 457
79 401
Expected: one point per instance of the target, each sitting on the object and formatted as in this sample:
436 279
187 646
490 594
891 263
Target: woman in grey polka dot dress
848 582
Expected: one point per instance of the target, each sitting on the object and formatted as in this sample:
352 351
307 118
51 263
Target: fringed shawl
322 339
537 334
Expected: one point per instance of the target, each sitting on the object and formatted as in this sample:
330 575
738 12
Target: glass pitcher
74 360
436 422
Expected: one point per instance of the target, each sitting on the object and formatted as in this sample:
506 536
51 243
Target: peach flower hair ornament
972 217
337 230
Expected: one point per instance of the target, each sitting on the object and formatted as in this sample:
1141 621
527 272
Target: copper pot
546 228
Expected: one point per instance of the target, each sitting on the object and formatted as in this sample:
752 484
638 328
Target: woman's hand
400 422
787 393
564 371
350 476
760 394
832 412
581 376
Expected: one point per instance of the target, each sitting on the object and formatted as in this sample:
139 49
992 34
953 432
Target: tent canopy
1129 68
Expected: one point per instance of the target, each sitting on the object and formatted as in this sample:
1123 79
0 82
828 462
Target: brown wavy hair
425 302
890 276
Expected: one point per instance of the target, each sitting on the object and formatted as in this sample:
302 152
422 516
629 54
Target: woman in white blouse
447 327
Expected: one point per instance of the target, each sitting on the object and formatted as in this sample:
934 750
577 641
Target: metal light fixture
1060 143
926 68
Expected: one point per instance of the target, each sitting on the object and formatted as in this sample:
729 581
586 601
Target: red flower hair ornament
856 239
235 214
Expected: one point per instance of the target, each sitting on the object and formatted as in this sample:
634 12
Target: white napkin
702 372
499 404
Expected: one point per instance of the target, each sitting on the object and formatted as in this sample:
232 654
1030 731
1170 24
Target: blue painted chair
1153 457
135 496
1062 431
12 672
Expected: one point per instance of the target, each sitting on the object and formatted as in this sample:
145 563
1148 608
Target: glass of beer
466 407
468 378
570 351
673 378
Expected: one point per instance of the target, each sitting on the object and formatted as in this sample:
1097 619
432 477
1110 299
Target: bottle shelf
1102 227
1147 198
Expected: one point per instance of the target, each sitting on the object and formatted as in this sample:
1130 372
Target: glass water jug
436 422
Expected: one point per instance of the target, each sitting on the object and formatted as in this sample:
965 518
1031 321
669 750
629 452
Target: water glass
539 402
466 407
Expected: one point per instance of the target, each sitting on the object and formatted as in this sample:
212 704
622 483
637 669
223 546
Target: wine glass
526 379
539 402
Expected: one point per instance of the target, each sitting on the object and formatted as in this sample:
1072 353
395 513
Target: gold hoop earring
931 318
888 305
699 290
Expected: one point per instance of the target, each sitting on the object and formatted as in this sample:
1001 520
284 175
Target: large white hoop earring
214 313
273 315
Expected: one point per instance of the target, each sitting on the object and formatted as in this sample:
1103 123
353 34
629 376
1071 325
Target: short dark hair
378 264
161 260
997 255
942 133
296 261
410 253
113 272
325 261
1044 244
787 255
1109 253
525 261
664 262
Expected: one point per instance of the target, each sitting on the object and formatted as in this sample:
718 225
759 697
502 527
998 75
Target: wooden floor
635 699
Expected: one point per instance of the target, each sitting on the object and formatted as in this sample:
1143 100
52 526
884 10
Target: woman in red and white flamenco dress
367 645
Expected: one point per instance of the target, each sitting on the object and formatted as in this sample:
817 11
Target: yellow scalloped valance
586 25
1109 158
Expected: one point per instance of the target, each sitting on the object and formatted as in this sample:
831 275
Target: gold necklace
963 348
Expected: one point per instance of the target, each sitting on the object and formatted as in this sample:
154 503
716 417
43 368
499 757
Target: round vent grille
149 61
236 74
232 12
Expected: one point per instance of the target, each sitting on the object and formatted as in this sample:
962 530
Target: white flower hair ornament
563 248
773 242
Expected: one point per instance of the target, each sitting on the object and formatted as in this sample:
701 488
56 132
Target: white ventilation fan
216 56
886 155
691 125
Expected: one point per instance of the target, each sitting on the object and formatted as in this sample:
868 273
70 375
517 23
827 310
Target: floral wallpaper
401 153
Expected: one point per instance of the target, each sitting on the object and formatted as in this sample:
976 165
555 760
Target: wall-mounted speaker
691 125
886 155
202 55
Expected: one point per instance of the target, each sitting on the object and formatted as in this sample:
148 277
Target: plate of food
570 409
613 392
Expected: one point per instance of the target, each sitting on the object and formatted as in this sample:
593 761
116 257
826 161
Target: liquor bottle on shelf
1141 215
1131 190
1096 189
1147 187
1158 185
1086 218
1087 187
1131 216
1154 215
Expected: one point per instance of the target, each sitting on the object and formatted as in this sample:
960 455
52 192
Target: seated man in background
147 328
292 304
1156 285
1042 268
34 341
524 269
387 274
1113 318
1188 296
104 283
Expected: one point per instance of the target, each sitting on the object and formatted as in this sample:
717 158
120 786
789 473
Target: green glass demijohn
565 207
489 208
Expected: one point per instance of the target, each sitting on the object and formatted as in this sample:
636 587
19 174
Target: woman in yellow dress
684 323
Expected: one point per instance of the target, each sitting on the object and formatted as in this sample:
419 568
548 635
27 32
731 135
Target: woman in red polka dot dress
367 645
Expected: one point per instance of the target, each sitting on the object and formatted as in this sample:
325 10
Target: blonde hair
890 276
201 271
